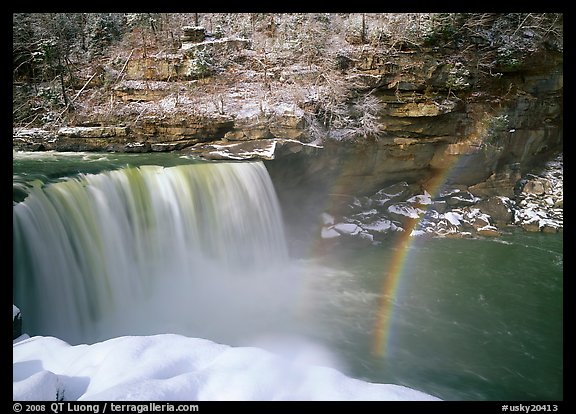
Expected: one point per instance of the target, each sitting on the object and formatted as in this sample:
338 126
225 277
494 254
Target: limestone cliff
477 102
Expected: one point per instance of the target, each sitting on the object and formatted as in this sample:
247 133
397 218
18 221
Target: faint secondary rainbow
395 269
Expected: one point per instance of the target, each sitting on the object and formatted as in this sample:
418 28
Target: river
134 244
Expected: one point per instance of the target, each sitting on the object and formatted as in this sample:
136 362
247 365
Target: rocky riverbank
537 206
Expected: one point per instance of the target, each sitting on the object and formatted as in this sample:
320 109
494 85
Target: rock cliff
476 113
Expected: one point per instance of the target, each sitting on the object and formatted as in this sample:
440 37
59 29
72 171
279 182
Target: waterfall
144 250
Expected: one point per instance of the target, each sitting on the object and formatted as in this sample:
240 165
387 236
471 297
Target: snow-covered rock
454 211
16 322
172 367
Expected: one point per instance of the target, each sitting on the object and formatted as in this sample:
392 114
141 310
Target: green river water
471 319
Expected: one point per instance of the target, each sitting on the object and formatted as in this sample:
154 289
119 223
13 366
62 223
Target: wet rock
489 231
536 186
16 322
499 208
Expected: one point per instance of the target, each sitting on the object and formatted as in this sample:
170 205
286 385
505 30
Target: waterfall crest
100 254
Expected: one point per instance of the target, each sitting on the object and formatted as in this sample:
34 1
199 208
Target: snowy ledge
171 367
260 149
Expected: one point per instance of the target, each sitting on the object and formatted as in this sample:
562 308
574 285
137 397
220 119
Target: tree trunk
61 75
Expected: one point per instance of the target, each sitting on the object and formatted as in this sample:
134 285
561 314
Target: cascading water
147 250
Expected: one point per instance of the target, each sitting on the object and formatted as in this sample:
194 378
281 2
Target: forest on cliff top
65 65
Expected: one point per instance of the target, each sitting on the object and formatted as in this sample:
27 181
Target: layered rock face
461 157
429 121
410 115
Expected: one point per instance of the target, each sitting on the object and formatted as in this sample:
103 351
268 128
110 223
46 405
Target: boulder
193 34
16 322
499 208
537 186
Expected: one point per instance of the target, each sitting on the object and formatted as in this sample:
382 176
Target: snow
405 210
381 225
347 228
329 233
453 218
424 199
237 152
170 367
363 216
40 386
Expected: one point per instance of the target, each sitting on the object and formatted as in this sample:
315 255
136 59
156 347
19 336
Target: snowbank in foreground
173 367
